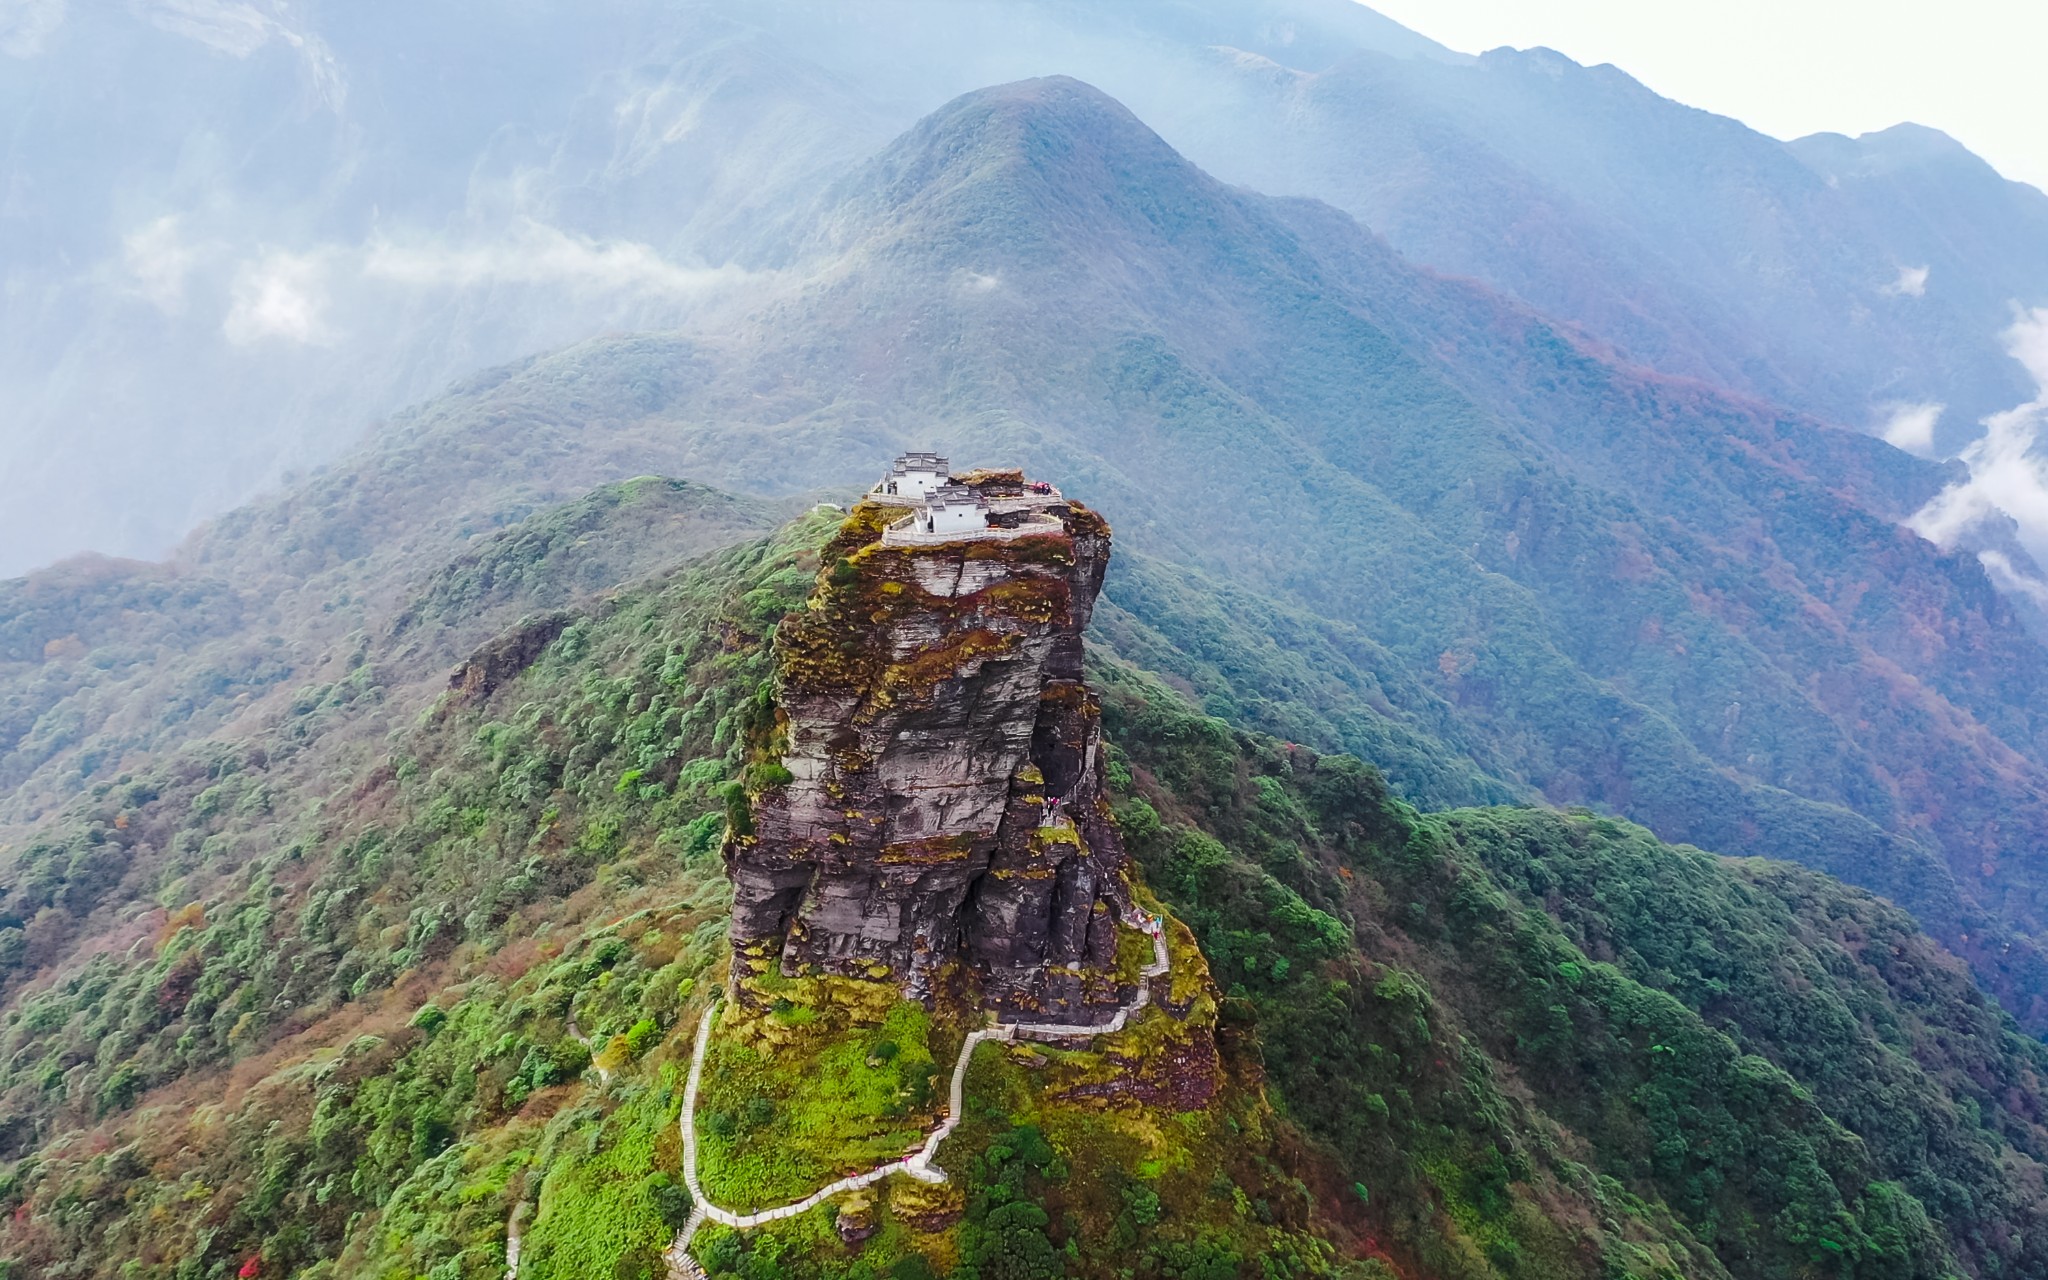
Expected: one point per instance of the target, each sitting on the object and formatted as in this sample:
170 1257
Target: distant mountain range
299 232
1506 432
1363 505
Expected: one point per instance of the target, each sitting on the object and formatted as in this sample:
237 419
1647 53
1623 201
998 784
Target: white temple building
953 508
915 476
940 509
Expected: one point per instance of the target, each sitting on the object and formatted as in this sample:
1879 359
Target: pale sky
1971 68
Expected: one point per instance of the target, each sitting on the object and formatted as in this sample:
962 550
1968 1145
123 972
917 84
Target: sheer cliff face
943 793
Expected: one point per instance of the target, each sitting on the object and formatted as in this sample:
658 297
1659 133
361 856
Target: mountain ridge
650 166
402 990
1654 622
360 874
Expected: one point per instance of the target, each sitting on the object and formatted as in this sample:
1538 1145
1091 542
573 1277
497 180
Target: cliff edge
928 803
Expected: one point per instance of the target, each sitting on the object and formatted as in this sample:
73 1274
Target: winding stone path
918 1164
514 1230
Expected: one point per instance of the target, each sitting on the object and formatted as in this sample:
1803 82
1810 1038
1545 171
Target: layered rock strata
932 793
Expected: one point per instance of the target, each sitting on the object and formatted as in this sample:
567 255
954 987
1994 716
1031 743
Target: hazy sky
1792 67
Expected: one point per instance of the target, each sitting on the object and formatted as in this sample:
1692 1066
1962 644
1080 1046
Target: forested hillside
565 173
1577 828
356 992
1521 567
105 661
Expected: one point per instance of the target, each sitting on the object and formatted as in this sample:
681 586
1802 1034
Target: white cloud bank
2008 474
314 296
1911 427
279 297
534 253
2008 577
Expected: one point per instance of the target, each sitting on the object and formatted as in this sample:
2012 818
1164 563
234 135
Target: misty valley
1197 639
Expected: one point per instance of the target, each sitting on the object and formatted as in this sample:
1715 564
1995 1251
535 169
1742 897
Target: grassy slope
806 1092
1503 1041
271 930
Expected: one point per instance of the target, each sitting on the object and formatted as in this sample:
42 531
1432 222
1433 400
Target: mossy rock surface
833 1076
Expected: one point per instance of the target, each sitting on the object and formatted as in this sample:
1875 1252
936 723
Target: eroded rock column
939 796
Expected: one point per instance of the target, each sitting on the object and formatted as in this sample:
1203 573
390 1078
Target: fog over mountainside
308 216
295 220
1486 450
1511 566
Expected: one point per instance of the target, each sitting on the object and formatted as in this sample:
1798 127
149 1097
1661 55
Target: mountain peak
1043 92
1902 148
1021 171
1036 122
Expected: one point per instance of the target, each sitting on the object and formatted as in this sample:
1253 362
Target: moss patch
833 1076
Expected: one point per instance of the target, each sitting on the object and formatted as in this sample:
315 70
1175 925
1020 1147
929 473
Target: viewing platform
905 533
975 506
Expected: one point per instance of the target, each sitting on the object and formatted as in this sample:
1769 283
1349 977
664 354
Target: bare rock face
507 656
939 796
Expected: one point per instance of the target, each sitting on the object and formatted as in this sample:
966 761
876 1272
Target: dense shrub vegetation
402 969
1742 1061
374 992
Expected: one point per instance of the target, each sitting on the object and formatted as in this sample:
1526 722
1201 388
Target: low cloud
2027 342
25 25
2008 475
158 261
281 297
318 294
534 253
1911 427
2008 577
1912 283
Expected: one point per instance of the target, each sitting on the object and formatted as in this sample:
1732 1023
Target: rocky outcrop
931 795
507 656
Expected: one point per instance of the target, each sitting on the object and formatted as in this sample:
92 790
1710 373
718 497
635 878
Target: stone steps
918 1164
